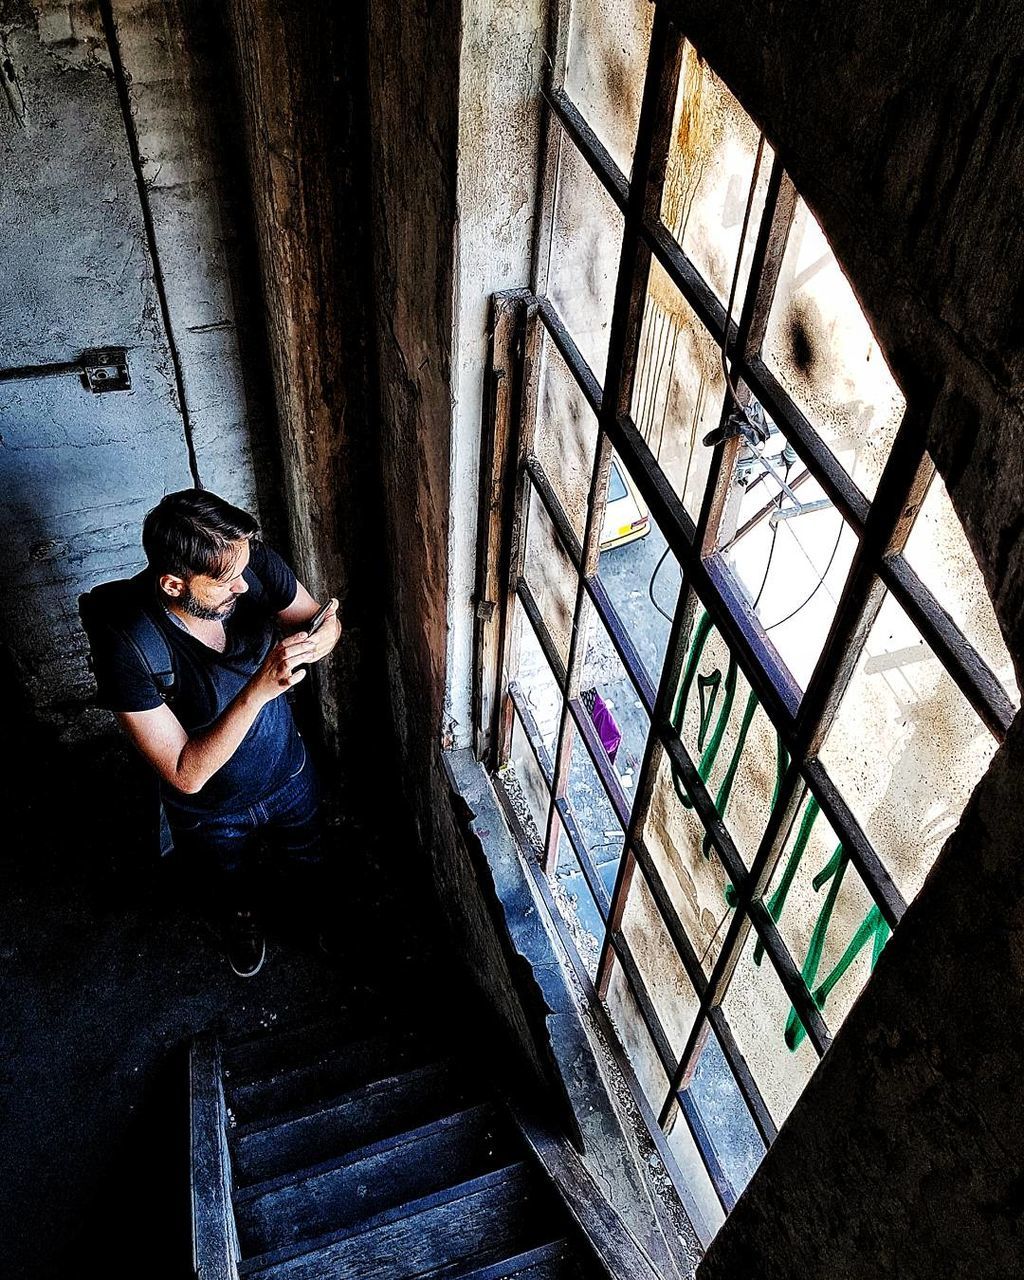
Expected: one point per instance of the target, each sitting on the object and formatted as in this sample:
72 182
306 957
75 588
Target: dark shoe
244 943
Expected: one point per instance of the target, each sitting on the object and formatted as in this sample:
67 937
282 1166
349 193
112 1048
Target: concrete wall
78 471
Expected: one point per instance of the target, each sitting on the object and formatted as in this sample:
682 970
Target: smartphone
316 621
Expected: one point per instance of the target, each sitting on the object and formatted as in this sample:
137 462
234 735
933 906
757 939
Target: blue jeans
220 851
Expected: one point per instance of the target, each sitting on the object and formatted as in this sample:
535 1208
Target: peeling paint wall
77 470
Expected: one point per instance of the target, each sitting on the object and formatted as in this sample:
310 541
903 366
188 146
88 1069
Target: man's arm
301 609
188 763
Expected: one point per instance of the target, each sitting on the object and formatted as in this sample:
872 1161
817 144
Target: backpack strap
124 607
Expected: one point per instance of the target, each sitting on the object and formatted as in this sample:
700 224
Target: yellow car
626 517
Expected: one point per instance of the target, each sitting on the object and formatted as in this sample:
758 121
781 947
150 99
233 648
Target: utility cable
820 584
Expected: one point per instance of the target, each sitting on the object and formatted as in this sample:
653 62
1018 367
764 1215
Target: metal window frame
524 323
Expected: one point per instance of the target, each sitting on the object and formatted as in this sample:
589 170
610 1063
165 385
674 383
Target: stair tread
274 1048
417 1163
552 1261
461 1220
332 1070
386 1107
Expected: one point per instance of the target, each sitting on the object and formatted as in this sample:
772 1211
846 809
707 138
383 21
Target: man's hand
327 635
277 673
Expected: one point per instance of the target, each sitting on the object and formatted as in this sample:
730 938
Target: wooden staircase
356 1148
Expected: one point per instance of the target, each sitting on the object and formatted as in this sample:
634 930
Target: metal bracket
100 369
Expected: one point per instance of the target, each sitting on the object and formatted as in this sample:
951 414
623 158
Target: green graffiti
873 929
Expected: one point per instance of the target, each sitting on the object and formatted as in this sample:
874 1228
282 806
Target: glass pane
642 579
694 1173
765 1025
791 565
576 905
550 575
616 711
938 551
607 59
668 988
678 388
526 788
707 182
632 1032
598 826
906 748
728 736
820 346
566 436
830 923
586 237
713 1093
537 682
694 878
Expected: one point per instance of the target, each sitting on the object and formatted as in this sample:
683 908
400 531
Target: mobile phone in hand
317 619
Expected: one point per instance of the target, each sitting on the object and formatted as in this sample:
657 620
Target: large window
745 671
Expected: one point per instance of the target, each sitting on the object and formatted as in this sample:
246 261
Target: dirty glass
610 698
941 556
693 1169
728 737
643 579
536 681
606 63
668 988
694 878
832 926
768 1032
905 749
707 181
677 389
566 436
820 346
526 787
550 575
586 238
575 902
715 1095
631 1029
596 820
793 564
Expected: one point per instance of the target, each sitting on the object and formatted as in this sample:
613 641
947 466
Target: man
231 763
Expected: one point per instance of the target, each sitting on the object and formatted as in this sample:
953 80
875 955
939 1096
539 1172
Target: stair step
554 1261
341 1194
331 1072
267 1052
384 1108
507 1210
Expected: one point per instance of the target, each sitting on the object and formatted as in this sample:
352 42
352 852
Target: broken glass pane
586 237
820 346
677 389
790 552
707 182
828 919
941 556
769 1034
906 748
736 1145
615 709
550 575
537 681
728 737
607 59
694 878
643 578
668 988
566 436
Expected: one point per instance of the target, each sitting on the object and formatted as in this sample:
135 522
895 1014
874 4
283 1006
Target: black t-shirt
207 681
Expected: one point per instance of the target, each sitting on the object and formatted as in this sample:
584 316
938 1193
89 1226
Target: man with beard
232 766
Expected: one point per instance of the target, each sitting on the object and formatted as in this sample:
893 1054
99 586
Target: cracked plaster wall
78 471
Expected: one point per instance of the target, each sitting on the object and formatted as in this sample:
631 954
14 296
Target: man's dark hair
191 532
